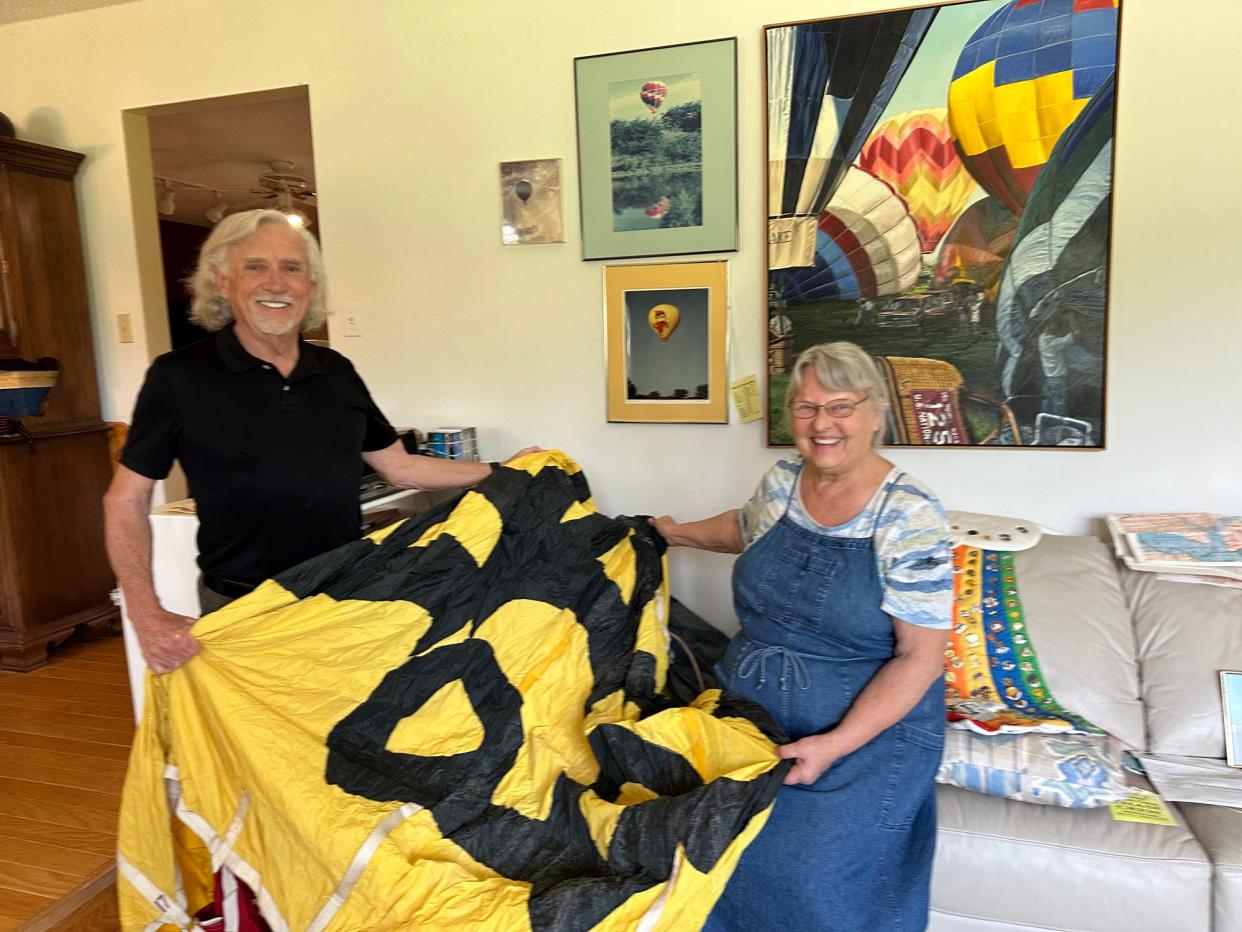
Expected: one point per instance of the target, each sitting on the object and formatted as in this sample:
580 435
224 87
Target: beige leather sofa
1140 657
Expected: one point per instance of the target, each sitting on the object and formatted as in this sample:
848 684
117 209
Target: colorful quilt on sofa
993 680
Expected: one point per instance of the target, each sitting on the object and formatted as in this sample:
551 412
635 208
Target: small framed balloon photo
657 150
530 202
665 328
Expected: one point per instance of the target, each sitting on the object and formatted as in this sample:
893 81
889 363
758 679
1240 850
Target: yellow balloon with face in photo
663 319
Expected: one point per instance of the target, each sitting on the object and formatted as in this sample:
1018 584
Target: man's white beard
273 329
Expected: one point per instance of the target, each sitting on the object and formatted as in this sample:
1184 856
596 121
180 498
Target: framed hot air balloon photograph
657 150
530 203
940 193
665 332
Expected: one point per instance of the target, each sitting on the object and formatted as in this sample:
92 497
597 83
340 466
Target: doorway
206 159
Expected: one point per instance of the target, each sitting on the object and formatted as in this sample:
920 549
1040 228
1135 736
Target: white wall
414 103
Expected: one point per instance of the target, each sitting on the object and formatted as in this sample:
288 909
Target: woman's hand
812 756
719 533
666 527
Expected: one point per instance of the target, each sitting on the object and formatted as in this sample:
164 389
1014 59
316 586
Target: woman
843 591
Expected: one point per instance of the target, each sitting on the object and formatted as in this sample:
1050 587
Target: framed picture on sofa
939 184
1231 705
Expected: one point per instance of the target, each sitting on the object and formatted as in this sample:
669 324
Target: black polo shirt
274 464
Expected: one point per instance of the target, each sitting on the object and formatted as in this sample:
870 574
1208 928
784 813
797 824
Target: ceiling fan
282 180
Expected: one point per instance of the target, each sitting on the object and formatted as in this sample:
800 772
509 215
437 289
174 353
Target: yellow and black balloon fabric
456 722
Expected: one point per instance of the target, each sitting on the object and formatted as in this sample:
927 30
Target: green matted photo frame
666 342
657 150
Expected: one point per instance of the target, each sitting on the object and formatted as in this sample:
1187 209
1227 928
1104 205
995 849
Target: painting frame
632 293
1043 386
714 62
531 203
1231 712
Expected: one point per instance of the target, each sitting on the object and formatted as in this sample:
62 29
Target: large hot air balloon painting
939 192
658 150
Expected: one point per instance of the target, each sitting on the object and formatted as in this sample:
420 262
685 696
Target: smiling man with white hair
272 432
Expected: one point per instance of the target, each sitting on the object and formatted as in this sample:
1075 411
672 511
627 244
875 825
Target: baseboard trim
89 908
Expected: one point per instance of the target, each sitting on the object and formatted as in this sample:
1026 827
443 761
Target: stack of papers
1183 547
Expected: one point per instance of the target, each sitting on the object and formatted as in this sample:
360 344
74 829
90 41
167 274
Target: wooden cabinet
54 573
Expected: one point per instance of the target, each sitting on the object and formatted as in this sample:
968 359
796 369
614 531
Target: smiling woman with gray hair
843 590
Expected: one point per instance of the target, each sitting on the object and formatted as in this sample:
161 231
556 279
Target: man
865 315
271 431
779 327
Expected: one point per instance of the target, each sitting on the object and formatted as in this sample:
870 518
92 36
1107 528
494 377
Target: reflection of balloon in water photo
653 94
523 190
663 319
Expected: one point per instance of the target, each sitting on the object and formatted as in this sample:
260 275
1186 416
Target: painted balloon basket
943 200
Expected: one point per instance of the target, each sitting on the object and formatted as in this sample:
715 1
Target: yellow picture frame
665 334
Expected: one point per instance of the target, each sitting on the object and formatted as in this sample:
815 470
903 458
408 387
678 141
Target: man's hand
165 639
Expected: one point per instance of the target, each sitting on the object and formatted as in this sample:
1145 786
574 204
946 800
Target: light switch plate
353 323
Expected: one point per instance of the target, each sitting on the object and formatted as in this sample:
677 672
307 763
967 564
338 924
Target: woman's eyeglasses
837 410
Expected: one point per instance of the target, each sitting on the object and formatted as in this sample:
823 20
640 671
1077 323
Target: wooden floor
65 731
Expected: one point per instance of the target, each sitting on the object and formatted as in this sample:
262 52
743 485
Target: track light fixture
280 187
167 204
215 213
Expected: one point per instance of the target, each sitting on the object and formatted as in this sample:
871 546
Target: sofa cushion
1193 779
1219 830
1078 771
1068 869
1079 624
1186 634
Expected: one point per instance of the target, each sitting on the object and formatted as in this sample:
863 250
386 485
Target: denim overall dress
853 851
